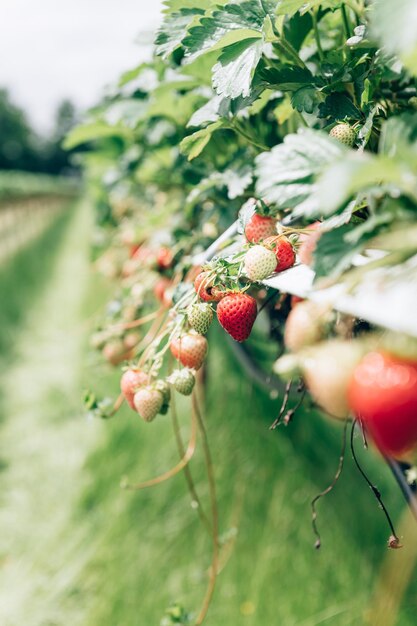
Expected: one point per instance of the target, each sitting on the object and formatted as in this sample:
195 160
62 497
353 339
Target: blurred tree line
22 149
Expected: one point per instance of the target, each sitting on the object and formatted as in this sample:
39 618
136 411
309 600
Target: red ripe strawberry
203 286
237 313
190 350
283 250
130 382
164 258
308 243
383 395
260 227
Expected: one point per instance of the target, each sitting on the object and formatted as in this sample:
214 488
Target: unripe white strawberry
344 133
327 369
259 263
200 317
183 381
148 402
305 325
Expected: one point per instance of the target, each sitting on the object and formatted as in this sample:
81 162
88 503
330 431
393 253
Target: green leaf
290 7
209 112
175 106
232 74
394 24
296 29
173 30
228 25
287 174
287 78
306 99
235 179
338 107
334 253
365 174
399 136
94 131
194 144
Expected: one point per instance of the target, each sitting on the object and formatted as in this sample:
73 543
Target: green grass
16 184
76 549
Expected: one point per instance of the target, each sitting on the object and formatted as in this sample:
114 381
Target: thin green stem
187 472
287 49
236 126
317 35
214 512
345 19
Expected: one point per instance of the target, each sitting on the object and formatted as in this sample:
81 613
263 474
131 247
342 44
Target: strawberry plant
265 138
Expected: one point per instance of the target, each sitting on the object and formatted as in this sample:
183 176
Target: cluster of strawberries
185 332
370 376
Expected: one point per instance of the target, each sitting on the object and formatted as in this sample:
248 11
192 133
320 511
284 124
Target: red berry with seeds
260 227
130 382
383 396
203 285
164 258
237 314
284 251
190 349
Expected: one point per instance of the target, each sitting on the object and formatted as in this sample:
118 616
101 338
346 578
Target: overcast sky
52 49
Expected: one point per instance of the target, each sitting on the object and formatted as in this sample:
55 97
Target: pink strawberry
164 258
190 349
308 243
148 402
259 228
283 250
237 314
131 380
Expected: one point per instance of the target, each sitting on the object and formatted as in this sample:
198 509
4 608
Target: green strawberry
163 387
260 262
344 133
200 316
183 381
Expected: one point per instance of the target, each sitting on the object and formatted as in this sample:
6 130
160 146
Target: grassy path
44 443
76 550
